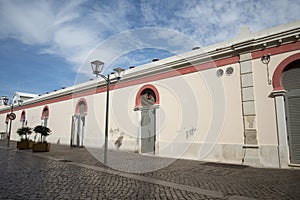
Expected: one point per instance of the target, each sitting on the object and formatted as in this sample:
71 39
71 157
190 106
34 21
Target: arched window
147 95
23 118
81 107
283 67
291 76
45 116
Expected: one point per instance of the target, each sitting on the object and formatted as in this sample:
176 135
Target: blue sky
45 45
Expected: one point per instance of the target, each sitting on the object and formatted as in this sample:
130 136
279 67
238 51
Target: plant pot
41 147
30 144
25 145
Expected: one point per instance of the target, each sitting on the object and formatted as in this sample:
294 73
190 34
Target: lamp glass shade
118 72
265 59
4 100
97 66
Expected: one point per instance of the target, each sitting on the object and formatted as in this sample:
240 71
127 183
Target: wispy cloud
215 21
56 27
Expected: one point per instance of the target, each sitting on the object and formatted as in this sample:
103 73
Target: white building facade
222 105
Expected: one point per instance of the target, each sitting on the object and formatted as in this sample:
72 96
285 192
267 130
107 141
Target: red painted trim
276 50
277 84
179 72
139 94
77 111
43 112
165 75
23 114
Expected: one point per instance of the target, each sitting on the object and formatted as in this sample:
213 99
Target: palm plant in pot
24 133
42 145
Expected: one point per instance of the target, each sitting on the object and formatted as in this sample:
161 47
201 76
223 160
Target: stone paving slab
209 180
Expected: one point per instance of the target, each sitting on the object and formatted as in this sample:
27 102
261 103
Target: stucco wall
194 109
265 103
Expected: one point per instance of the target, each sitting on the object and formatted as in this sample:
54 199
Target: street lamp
4 100
11 116
97 67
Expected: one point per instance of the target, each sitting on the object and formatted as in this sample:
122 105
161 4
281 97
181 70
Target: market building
234 102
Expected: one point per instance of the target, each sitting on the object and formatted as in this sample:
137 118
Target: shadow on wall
119 141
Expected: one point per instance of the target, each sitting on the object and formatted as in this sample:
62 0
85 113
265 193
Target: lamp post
11 116
97 67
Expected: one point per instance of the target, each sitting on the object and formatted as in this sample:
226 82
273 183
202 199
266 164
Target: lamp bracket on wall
265 59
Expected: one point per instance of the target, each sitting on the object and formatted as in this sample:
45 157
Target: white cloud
20 21
215 21
55 26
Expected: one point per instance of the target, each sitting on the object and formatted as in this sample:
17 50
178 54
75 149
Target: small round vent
229 70
220 72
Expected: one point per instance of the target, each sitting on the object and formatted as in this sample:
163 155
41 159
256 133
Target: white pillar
283 152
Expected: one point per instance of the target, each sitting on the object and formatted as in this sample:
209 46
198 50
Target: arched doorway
146 101
291 83
78 124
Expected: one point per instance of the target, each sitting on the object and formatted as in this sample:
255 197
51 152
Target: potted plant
25 143
42 145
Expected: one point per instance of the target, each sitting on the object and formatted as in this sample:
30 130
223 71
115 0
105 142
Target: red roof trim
276 50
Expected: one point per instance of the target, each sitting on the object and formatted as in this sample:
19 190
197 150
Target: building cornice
208 57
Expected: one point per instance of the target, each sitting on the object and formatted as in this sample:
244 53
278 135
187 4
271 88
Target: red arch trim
43 112
77 111
138 95
277 85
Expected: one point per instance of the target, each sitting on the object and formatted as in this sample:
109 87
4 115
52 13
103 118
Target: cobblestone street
73 173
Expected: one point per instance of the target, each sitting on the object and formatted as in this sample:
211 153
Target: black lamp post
97 67
11 116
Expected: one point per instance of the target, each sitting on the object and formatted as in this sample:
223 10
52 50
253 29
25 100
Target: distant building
19 97
236 102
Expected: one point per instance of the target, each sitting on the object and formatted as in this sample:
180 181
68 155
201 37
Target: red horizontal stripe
276 50
174 73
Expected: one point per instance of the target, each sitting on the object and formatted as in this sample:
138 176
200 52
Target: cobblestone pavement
73 173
